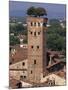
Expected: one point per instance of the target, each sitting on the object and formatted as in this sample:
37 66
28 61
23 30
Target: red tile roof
20 54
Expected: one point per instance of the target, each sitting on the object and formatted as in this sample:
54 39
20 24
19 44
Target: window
37 47
31 72
34 33
38 33
21 77
24 76
38 24
35 24
31 46
34 61
31 24
23 63
31 32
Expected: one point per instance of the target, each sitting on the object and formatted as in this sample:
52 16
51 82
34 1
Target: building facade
36 48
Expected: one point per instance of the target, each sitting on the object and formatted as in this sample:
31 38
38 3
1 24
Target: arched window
31 32
31 72
38 24
34 33
34 61
31 24
24 77
35 24
38 33
32 46
23 63
37 47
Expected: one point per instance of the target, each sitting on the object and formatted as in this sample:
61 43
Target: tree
18 29
14 40
32 11
56 36
41 11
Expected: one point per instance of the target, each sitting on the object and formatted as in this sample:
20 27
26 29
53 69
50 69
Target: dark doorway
19 85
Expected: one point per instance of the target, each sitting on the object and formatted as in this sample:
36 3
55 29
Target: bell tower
36 48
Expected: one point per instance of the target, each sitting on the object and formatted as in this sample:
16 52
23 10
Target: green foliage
56 36
32 11
14 40
18 29
41 11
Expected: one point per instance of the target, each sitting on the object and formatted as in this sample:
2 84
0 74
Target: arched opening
19 85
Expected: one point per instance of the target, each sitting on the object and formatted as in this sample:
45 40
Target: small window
21 77
31 24
23 63
31 72
38 33
24 76
31 32
31 46
34 61
34 33
35 24
37 47
38 24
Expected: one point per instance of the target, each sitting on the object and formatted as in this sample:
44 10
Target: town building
35 65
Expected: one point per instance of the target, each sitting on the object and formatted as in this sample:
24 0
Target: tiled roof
19 55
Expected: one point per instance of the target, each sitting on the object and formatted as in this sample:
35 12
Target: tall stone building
36 48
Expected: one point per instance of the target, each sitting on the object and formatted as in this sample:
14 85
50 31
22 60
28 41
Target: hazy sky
18 8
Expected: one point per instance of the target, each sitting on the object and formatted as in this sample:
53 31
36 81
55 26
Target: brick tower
36 48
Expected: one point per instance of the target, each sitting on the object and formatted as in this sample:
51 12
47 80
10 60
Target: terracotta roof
22 53
19 55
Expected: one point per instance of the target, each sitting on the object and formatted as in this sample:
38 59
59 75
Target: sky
19 8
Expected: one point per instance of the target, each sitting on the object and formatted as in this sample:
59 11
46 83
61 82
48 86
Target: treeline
56 36
16 30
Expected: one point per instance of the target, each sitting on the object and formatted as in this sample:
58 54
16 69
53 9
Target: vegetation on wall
36 12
